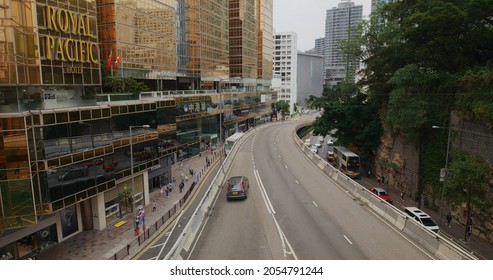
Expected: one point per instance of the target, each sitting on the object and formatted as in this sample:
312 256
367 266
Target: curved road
294 211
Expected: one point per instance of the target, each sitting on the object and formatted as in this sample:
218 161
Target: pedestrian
378 179
402 195
186 178
449 218
167 190
182 185
468 232
369 173
383 179
154 206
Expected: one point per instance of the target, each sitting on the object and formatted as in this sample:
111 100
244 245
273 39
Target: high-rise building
243 56
310 78
337 65
377 3
265 43
285 66
70 162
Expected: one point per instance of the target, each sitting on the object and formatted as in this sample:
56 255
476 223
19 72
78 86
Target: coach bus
346 161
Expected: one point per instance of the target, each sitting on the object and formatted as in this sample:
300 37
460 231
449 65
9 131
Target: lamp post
90 132
132 164
446 165
468 223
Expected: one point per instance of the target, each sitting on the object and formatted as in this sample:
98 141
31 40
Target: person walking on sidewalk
182 185
449 218
154 206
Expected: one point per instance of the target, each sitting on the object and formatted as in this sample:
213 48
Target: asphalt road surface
294 211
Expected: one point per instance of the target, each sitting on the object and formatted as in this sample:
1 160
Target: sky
307 18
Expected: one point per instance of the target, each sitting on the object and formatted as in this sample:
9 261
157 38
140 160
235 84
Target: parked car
308 142
320 138
330 155
73 173
314 149
237 187
318 144
330 142
382 194
422 218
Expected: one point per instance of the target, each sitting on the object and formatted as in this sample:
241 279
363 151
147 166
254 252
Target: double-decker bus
346 161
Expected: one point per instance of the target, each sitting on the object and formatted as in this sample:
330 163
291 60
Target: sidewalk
104 244
456 232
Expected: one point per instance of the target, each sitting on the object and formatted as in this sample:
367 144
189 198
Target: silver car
237 188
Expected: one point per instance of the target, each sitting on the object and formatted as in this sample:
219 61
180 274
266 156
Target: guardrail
182 246
438 245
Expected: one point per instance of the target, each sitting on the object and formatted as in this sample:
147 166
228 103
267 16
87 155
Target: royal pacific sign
73 25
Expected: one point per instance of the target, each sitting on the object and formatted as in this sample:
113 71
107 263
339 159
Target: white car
330 143
318 144
314 149
308 142
320 138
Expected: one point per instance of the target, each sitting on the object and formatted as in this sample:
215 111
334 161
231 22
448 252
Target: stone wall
398 162
476 137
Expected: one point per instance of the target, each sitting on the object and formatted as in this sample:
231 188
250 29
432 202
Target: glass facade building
71 161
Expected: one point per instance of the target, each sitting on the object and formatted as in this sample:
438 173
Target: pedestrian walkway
456 232
104 244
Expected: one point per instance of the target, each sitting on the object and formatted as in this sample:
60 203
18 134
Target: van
422 218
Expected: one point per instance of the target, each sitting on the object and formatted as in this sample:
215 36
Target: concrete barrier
436 244
182 247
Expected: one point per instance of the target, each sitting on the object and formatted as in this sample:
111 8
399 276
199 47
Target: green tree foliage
424 59
353 117
475 93
282 106
115 84
469 173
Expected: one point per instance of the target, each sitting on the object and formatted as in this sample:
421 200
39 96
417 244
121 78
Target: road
294 211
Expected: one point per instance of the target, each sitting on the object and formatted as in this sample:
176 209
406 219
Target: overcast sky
307 18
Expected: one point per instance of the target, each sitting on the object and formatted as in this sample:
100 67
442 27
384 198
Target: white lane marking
315 203
270 209
348 240
267 202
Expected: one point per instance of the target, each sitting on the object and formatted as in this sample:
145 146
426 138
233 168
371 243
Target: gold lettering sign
67 49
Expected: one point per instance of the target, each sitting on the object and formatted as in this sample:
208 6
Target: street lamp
132 162
90 132
446 165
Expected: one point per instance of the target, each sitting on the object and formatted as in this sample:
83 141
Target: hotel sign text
68 49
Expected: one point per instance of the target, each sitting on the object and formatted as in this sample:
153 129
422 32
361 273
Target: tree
282 106
353 117
469 182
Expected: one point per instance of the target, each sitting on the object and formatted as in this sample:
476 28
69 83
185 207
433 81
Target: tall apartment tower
243 58
337 65
285 65
265 43
377 3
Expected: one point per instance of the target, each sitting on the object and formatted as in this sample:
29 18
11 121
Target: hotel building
71 158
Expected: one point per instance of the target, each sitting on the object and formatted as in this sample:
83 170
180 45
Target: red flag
118 59
108 64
